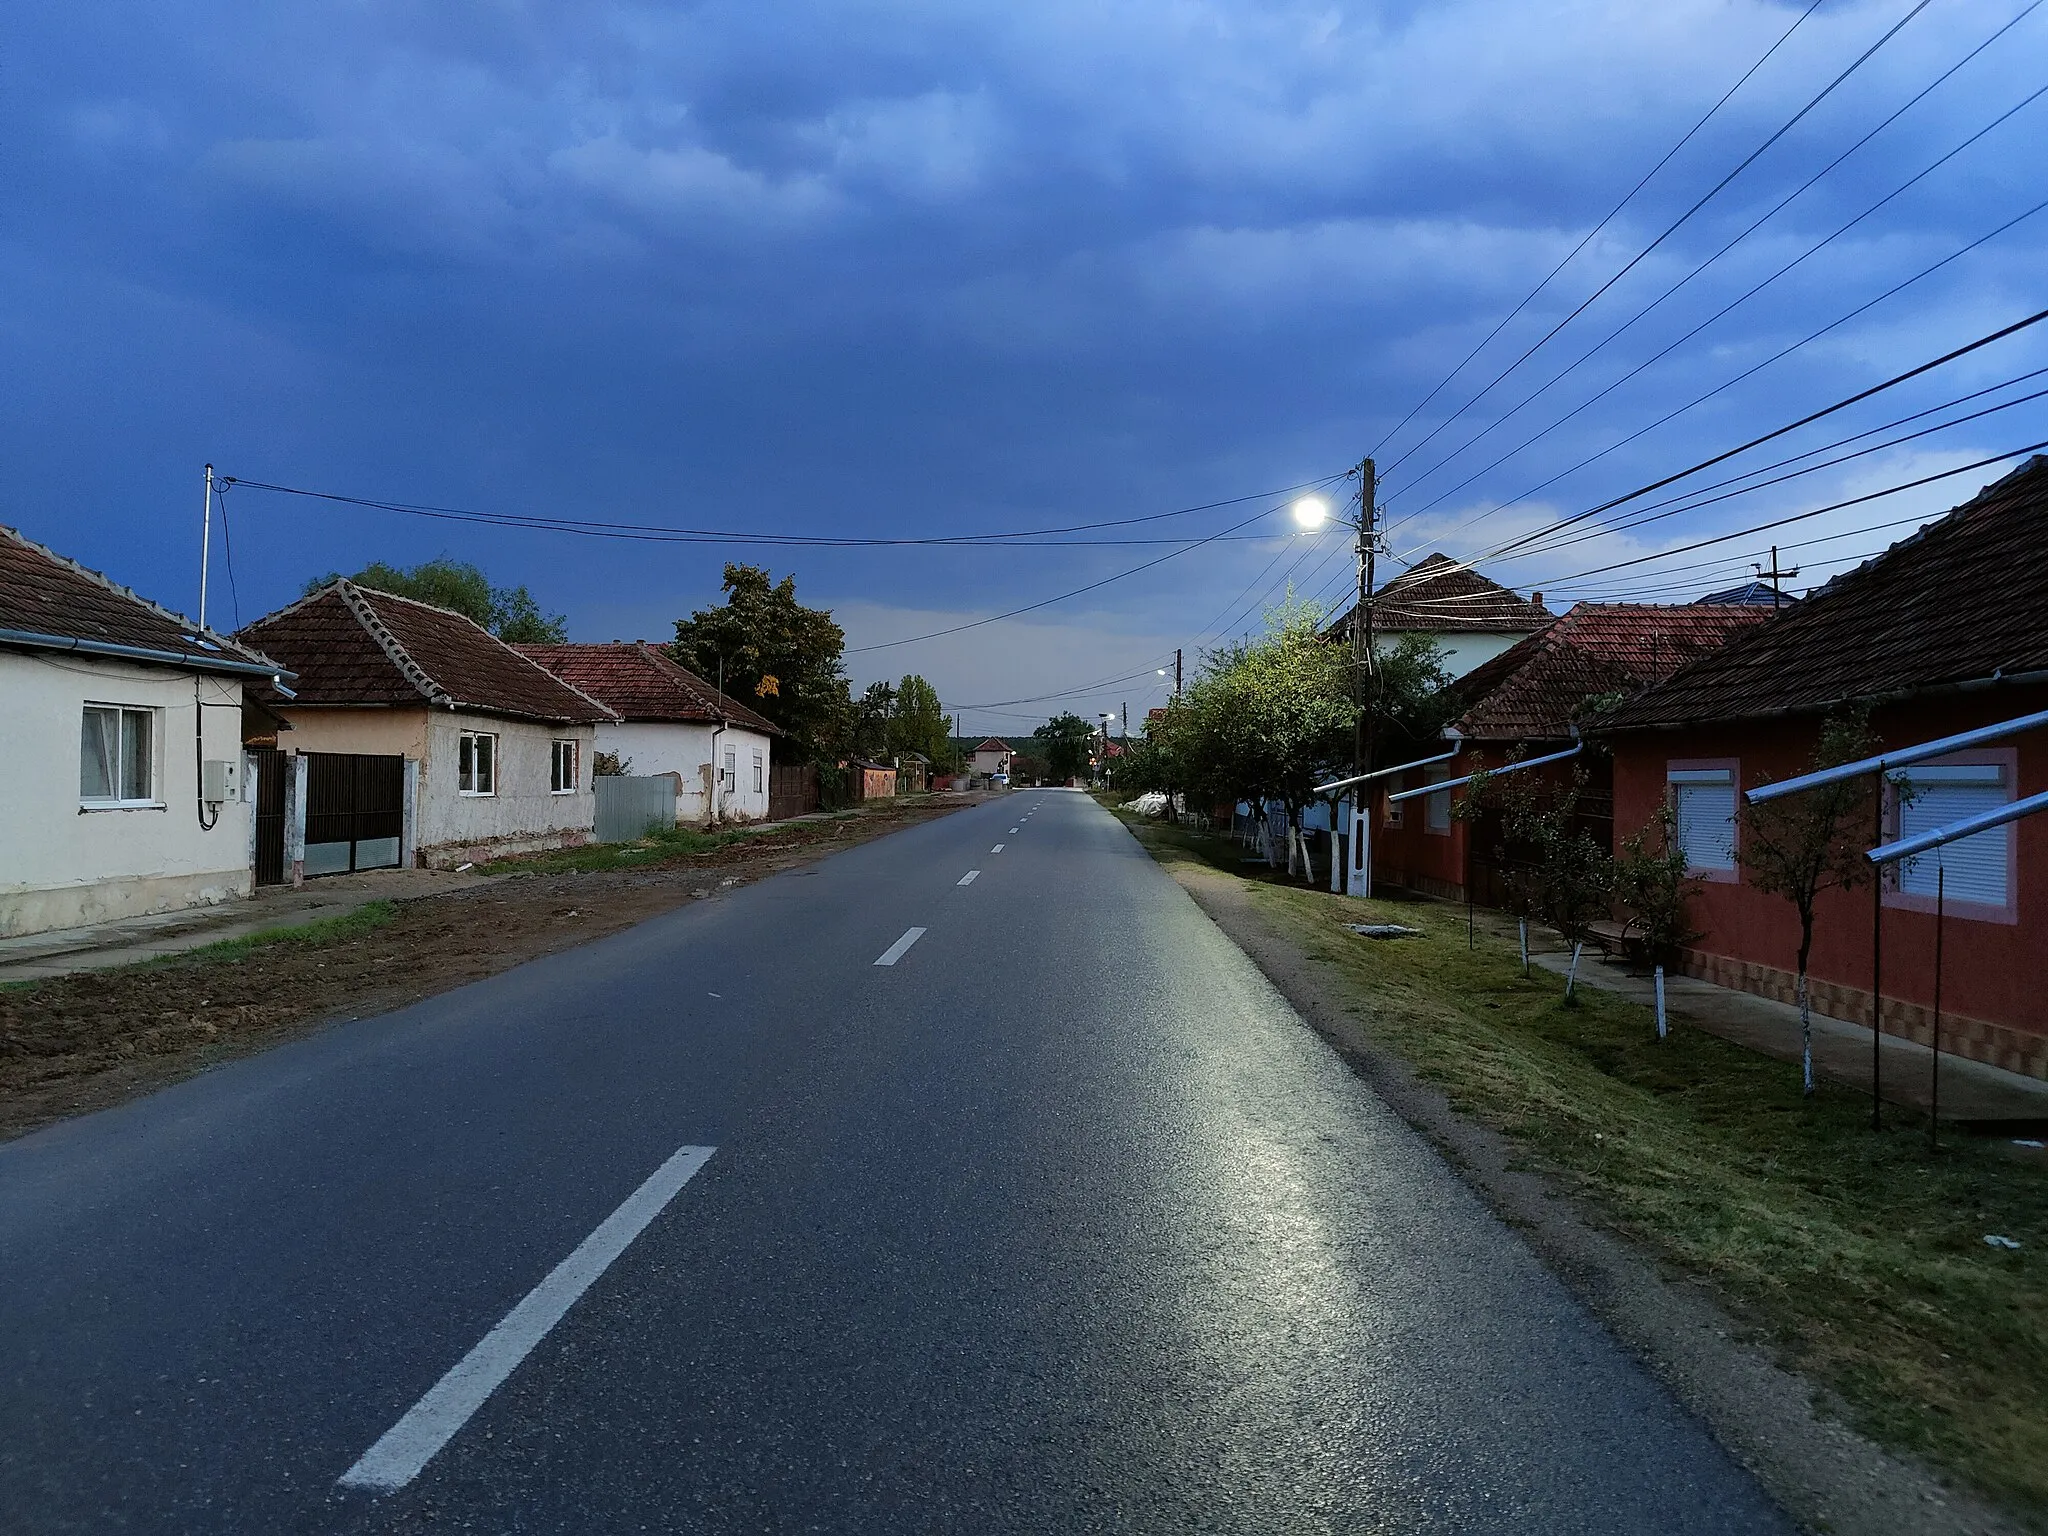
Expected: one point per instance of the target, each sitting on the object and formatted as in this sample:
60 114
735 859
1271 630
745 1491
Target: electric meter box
220 781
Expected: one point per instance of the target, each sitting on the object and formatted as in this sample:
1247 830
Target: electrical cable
1588 238
1670 229
1673 346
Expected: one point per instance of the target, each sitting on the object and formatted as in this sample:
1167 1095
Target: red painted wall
1992 970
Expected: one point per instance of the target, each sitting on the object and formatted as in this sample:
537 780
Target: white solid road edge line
968 878
901 947
408 1445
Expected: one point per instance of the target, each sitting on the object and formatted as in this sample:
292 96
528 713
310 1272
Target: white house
1470 619
672 722
121 728
991 757
419 737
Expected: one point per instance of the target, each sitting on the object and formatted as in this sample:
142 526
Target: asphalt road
1062 1222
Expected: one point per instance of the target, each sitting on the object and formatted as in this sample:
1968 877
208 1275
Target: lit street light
1311 512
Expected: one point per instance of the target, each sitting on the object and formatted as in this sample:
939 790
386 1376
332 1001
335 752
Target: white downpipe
1663 1028
1571 976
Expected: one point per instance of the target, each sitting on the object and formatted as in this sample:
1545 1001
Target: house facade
1527 703
420 738
122 729
990 757
671 722
1469 618
1945 632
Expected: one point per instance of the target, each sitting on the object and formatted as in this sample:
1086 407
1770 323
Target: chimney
1536 598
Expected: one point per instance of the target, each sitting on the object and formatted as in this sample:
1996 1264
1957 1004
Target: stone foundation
453 855
1997 1045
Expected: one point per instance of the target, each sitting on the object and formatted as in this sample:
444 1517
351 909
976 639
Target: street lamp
1310 514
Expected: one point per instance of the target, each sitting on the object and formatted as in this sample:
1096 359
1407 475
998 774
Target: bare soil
89 1041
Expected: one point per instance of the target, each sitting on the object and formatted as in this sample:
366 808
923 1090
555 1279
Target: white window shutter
1975 866
1706 818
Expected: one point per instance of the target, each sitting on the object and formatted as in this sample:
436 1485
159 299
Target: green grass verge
326 930
1862 1255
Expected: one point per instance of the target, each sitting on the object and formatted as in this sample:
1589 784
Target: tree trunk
1662 1028
1805 1037
1571 976
1523 924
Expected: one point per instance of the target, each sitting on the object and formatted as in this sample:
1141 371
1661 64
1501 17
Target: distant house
419 737
1945 632
1760 593
670 721
1470 618
122 735
1527 702
871 781
991 757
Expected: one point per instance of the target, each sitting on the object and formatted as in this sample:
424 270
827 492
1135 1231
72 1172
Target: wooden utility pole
1358 878
1176 672
1775 575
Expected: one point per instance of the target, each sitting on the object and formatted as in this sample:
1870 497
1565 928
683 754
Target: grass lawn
367 918
1861 1255
655 848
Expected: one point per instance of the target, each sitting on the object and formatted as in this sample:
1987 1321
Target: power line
1587 239
1840 405
1669 229
1673 346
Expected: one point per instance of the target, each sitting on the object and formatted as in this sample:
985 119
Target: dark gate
355 811
270 770
792 791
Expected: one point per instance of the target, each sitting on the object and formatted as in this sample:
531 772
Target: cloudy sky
888 270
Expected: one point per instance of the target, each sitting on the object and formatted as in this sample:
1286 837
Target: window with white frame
1436 809
476 763
732 772
760 774
562 772
1974 868
1704 800
117 756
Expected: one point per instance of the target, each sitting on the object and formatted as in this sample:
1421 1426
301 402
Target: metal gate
355 811
630 808
270 771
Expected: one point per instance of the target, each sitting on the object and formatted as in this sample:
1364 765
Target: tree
1064 742
868 733
1652 883
919 723
510 613
1802 845
1565 878
780 659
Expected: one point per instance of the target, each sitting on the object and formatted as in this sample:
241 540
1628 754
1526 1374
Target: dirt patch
89 1041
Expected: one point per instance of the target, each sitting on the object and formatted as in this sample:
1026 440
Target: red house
1945 632
1524 704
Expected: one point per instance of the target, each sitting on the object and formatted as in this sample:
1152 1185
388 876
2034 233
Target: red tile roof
638 681
1964 600
42 593
1440 596
352 645
990 744
1535 690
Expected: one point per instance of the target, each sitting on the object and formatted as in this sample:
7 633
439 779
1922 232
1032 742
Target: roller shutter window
1934 797
1705 801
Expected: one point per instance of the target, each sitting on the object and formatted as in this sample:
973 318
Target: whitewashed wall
1461 653
63 867
686 750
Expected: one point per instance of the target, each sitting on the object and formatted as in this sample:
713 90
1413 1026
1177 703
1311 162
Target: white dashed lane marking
900 948
968 878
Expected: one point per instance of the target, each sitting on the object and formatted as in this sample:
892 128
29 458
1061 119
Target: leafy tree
510 613
868 734
1561 875
1651 882
919 724
1064 742
1802 845
1411 693
780 658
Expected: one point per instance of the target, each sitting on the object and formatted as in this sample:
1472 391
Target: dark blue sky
878 269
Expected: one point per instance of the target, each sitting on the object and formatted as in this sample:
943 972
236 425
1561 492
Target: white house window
1976 867
477 763
732 771
1436 809
562 774
117 756
1704 799
760 774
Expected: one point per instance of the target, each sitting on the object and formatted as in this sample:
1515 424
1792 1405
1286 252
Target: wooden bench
1612 938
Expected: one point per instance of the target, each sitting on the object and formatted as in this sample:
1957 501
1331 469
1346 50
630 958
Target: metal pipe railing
1969 826
1491 773
1905 757
1382 773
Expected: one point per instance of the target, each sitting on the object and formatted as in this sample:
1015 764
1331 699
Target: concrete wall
1994 1006
686 750
62 866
